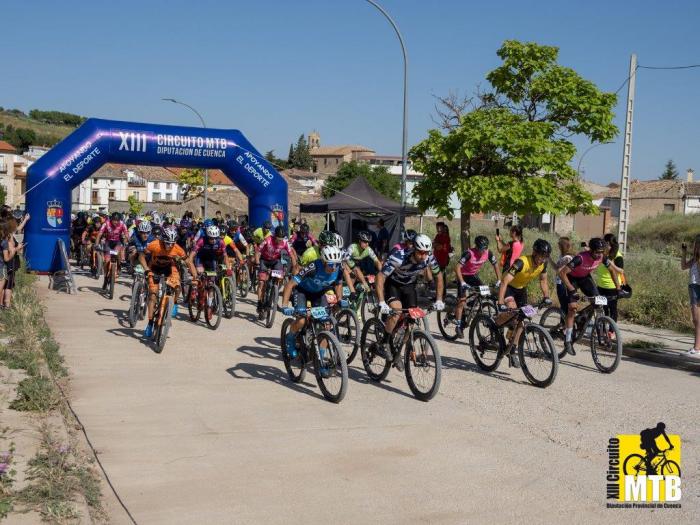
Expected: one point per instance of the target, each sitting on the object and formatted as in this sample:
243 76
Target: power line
691 66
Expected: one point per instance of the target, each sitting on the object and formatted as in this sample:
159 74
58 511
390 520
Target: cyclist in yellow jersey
262 233
513 291
325 238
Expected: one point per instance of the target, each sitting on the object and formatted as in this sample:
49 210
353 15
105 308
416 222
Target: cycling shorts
404 293
169 272
519 295
111 245
471 280
268 266
301 297
585 284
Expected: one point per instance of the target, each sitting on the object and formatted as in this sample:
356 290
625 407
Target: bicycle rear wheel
538 356
135 305
193 304
486 342
330 367
373 360
553 322
113 277
100 266
606 344
368 309
423 366
296 368
213 306
271 304
243 281
634 465
228 292
447 324
346 326
164 323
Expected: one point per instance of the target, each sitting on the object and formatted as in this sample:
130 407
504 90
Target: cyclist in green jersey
358 252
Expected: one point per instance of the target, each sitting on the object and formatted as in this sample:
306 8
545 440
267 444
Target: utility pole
623 222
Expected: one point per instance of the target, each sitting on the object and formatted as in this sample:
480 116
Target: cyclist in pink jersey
467 269
577 275
268 256
116 236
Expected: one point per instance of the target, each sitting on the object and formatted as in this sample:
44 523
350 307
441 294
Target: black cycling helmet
596 244
116 216
541 246
267 225
326 237
304 228
364 236
410 235
280 233
481 242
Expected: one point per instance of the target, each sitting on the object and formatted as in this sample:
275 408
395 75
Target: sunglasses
422 252
333 265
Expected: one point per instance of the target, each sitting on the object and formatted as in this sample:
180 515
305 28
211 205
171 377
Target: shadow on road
359 376
268 348
272 374
460 364
121 315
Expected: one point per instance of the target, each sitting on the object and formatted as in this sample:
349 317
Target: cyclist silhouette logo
645 469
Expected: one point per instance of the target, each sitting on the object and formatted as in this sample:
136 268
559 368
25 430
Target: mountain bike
139 297
605 340
270 295
97 266
346 323
164 305
316 343
412 349
367 300
636 465
206 297
535 349
111 271
227 285
242 278
83 255
477 299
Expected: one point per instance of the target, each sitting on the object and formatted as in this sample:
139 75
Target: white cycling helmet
213 232
144 227
423 243
338 241
169 236
157 220
331 254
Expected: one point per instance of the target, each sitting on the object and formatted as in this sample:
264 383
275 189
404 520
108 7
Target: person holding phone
693 264
511 250
11 251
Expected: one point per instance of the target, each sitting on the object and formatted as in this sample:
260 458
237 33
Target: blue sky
275 69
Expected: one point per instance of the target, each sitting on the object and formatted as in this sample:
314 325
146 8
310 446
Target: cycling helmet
213 232
410 235
422 242
233 223
364 236
185 223
208 222
596 244
280 233
338 241
304 228
169 236
144 227
157 221
116 216
267 225
331 254
481 242
326 237
541 246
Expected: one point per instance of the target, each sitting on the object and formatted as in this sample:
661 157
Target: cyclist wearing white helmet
209 251
138 241
311 284
396 283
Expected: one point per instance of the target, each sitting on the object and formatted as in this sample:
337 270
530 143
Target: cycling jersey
204 251
355 254
139 244
91 233
310 255
163 258
603 275
524 270
401 268
78 227
259 237
271 248
584 263
238 241
300 242
315 279
113 233
472 260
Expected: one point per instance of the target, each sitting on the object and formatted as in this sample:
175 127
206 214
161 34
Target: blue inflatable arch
51 179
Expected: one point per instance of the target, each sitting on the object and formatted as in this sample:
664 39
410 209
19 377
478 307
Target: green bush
36 394
664 233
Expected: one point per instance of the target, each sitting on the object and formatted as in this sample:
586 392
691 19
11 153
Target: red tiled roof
6 147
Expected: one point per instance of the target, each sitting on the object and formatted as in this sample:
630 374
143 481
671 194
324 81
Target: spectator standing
382 238
693 289
442 246
511 250
604 279
11 251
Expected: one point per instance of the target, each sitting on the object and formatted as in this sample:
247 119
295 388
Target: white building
13 174
412 179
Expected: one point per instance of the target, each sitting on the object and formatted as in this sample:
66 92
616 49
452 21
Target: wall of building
162 191
642 208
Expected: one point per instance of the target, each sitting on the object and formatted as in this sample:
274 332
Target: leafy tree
274 160
511 151
670 171
56 117
191 180
20 138
377 176
290 155
3 194
301 157
135 205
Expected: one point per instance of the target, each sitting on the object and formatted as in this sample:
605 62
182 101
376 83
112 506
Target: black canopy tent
357 207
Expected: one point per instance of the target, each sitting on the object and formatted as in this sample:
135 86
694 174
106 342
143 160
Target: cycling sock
567 334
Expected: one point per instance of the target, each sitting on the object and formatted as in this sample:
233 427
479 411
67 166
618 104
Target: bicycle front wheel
296 368
447 324
112 278
243 281
606 344
135 305
373 359
553 322
634 465
193 304
228 292
271 303
671 468
346 326
213 306
164 323
368 308
538 357
423 366
330 367
485 342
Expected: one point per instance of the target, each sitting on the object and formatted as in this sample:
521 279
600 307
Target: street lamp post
578 168
404 159
206 171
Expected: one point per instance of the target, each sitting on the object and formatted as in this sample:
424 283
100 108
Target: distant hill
45 134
